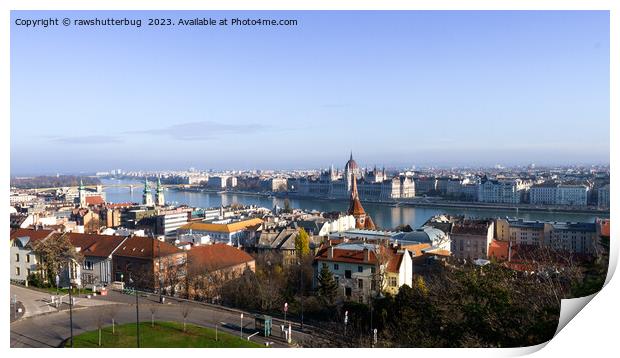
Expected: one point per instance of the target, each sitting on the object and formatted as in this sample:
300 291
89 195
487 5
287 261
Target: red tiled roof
145 247
95 245
34 235
350 256
498 249
394 262
438 252
417 248
471 228
605 228
216 257
94 200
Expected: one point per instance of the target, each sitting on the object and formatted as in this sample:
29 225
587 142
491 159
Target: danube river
384 216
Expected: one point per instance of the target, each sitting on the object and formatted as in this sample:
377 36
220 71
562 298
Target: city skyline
398 88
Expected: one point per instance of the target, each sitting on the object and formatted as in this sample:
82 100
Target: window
347 273
88 279
393 282
18 271
347 291
336 266
28 258
16 257
372 270
324 265
373 285
360 283
28 272
360 269
88 265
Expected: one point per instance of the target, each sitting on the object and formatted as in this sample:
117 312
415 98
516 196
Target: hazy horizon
398 88
338 167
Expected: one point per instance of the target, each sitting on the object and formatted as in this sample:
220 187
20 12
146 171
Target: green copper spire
146 186
81 185
159 188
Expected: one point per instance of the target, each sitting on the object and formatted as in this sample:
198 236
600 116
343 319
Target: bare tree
153 309
100 321
186 309
383 255
112 311
173 273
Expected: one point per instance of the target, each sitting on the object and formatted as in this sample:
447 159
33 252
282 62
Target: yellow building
230 233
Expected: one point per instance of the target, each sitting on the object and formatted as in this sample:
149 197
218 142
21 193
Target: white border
593 331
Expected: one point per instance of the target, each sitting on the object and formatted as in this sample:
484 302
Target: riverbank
520 207
416 202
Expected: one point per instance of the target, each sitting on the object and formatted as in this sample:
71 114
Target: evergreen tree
287 206
328 289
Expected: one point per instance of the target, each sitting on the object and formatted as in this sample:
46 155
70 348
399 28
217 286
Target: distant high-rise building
147 198
603 197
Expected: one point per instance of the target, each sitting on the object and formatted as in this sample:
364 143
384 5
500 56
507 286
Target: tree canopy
55 253
302 243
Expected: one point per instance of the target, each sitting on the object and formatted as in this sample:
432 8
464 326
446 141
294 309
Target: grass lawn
162 335
65 291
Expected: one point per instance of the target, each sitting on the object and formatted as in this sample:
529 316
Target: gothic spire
146 186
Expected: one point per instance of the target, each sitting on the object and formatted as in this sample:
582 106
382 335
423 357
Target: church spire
146 186
362 220
82 194
147 199
159 194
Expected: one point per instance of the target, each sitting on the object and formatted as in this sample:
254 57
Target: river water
384 216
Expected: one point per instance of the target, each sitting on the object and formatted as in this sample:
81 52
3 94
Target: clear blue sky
397 88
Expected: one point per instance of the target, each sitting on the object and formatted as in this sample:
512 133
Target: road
51 329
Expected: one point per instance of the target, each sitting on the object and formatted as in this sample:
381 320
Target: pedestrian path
37 302
34 302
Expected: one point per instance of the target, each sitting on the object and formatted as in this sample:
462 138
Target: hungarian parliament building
371 185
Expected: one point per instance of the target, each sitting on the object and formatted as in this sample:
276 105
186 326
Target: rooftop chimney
366 254
330 252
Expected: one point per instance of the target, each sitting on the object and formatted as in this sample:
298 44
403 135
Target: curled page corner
570 307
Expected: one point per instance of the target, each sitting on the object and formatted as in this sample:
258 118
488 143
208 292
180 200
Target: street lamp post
371 330
137 311
301 274
71 307
161 283
241 327
346 319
